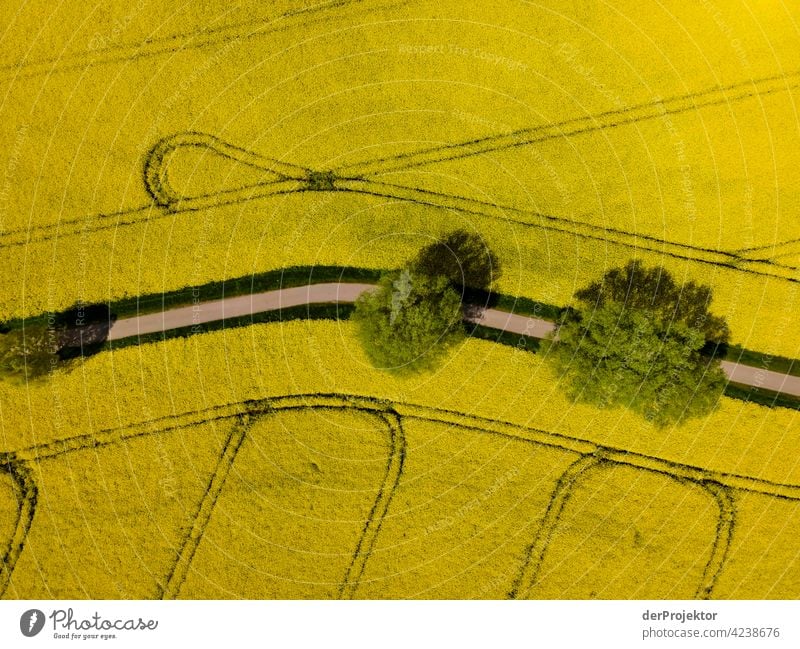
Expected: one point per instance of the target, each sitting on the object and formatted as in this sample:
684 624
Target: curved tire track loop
287 179
284 178
722 540
372 525
26 493
719 484
529 573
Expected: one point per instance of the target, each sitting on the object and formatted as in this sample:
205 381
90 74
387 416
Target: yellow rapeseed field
767 529
466 510
110 520
667 136
469 500
293 508
274 461
627 533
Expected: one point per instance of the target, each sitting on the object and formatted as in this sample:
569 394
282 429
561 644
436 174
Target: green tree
635 339
463 258
409 322
27 353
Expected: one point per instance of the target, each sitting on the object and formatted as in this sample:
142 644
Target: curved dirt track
344 292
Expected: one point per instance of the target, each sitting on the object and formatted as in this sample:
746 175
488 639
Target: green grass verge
303 275
737 354
508 338
258 283
527 307
761 396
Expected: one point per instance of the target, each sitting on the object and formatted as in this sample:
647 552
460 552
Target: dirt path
234 307
243 305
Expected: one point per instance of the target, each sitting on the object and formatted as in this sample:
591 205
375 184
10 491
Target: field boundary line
172 44
717 96
726 524
534 556
180 568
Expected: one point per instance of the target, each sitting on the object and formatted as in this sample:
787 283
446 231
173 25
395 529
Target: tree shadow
468 264
82 330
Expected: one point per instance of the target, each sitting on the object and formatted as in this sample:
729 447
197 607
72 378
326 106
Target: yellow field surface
463 515
36 31
341 84
717 176
274 461
629 534
472 493
293 508
764 555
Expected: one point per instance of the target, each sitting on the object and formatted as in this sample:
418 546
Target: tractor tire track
394 470
156 163
372 526
571 227
534 555
723 532
175 206
27 494
356 175
739 482
376 516
787 248
74 227
718 484
180 569
722 541
583 447
176 43
289 179
709 97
